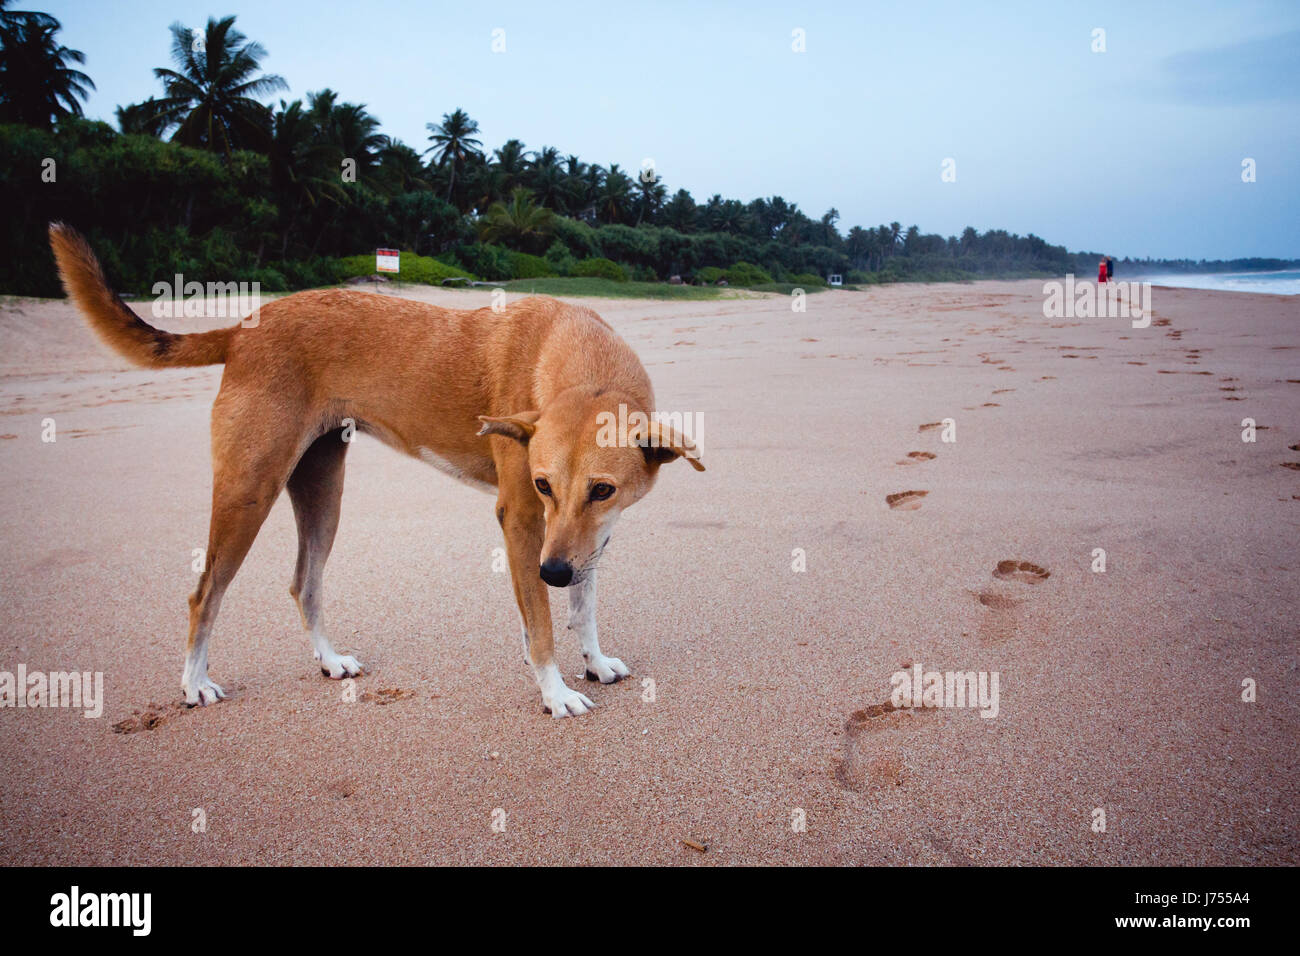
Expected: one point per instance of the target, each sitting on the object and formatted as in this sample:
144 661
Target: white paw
557 699
607 670
338 666
566 703
202 691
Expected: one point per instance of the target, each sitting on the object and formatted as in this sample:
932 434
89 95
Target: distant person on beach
1101 270
1110 269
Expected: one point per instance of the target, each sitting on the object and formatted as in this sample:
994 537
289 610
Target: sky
1136 150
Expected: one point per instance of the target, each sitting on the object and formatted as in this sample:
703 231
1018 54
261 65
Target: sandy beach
757 689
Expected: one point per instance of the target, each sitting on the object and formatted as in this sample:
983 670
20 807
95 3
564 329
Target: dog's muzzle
558 574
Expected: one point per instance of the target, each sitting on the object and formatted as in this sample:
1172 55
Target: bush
486 260
644 274
524 266
627 244
709 275
413 269
600 268
559 258
313 272
744 273
578 237
805 279
271 280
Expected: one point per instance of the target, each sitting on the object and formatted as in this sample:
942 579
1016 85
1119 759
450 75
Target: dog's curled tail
119 327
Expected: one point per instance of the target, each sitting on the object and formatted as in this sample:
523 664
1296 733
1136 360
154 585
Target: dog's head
588 462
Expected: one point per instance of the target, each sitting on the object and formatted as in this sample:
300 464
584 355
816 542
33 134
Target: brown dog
514 401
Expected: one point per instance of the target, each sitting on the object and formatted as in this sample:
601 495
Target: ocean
1273 283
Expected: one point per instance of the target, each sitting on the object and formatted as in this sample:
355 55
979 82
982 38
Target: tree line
206 179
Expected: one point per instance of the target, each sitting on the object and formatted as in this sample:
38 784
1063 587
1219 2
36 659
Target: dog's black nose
557 574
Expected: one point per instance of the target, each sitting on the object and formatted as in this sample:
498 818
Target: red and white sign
387 260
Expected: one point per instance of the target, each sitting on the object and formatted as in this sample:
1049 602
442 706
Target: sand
1119 691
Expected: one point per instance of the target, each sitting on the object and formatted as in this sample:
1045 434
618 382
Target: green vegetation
206 180
600 268
742 273
616 289
413 269
524 266
785 288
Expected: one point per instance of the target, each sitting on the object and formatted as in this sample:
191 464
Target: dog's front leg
582 619
524 529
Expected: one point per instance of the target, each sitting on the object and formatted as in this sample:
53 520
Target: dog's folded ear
519 426
661 443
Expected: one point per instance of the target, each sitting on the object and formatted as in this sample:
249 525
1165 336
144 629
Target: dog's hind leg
582 619
316 490
246 481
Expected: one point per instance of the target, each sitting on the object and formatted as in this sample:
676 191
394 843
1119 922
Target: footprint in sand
998 621
872 753
915 457
1022 571
150 718
386 695
929 425
999 602
343 788
905 500
1001 618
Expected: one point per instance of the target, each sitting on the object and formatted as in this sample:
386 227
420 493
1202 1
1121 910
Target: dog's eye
601 490
543 486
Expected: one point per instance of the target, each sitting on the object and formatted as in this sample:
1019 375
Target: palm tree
724 215
37 86
346 127
519 223
578 193
453 142
210 98
548 183
828 235
546 178
780 215
144 119
485 183
859 244
303 171
400 167
681 212
912 240
512 159
356 132
651 195
614 196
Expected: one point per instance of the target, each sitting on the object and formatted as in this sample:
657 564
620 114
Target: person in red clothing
1101 271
